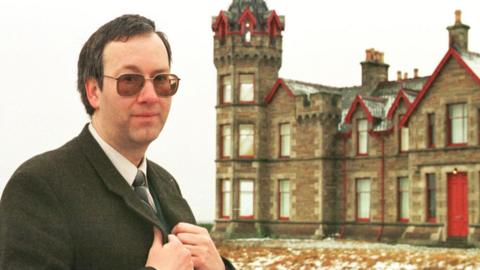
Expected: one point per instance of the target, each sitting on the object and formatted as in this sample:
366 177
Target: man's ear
93 92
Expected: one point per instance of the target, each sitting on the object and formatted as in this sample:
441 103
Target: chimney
374 70
415 73
405 76
458 34
399 75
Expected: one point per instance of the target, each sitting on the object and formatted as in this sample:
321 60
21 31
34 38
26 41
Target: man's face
130 123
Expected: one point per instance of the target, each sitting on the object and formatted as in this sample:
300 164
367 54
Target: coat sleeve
34 233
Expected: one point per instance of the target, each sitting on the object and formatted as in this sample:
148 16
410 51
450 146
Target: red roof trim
221 18
274 21
400 96
451 52
269 97
358 101
247 13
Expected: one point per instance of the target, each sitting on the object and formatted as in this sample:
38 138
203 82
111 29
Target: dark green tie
141 187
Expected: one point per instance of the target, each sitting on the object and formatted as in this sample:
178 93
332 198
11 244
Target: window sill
456 144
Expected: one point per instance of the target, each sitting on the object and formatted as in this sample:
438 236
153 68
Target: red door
457 204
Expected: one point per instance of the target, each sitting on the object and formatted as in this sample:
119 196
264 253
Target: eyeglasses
131 84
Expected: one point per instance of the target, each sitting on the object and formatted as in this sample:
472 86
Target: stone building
390 160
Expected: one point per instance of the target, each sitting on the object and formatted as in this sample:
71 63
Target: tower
247 56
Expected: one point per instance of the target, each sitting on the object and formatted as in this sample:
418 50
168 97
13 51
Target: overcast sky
323 42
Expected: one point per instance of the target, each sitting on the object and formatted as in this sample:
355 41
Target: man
97 202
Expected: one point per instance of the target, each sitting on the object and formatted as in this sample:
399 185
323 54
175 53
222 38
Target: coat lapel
112 178
174 207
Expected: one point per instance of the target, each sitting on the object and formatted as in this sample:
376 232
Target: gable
358 103
399 99
451 55
278 86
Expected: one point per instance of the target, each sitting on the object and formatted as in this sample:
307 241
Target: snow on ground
343 254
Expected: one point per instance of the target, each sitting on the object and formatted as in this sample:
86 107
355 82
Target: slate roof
472 60
303 88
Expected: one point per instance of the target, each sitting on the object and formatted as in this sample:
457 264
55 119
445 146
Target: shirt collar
126 168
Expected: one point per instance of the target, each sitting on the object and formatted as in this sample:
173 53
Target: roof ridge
312 84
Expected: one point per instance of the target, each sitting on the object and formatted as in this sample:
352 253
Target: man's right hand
171 256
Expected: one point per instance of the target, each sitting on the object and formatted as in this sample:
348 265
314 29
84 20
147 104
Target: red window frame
449 126
240 86
222 145
280 141
279 202
357 200
431 130
478 125
222 90
400 199
431 210
358 137
222 199
253 140
240 199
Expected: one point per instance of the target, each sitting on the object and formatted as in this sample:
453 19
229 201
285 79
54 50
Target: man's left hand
205 255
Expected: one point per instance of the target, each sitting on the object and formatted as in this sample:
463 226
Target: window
403 136
246 88
246 140
431 198
457 124
363 199
248 35
283 199
226 141
362 137
431 130
227 96
403 199
226 199
246 198
284 140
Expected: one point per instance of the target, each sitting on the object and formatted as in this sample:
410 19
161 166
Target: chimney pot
458 16
415 73
369 54
399 75
405 75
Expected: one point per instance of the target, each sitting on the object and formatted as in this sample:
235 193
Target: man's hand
171 256
197 239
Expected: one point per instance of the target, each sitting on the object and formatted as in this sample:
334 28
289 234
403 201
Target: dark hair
90 60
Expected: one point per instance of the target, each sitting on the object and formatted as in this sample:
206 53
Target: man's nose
148 94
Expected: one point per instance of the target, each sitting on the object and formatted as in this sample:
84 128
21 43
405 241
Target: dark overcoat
71 209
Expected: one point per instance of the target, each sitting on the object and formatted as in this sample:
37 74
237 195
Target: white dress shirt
126 168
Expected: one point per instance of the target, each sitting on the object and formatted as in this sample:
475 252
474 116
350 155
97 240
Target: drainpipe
382 181
344 170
